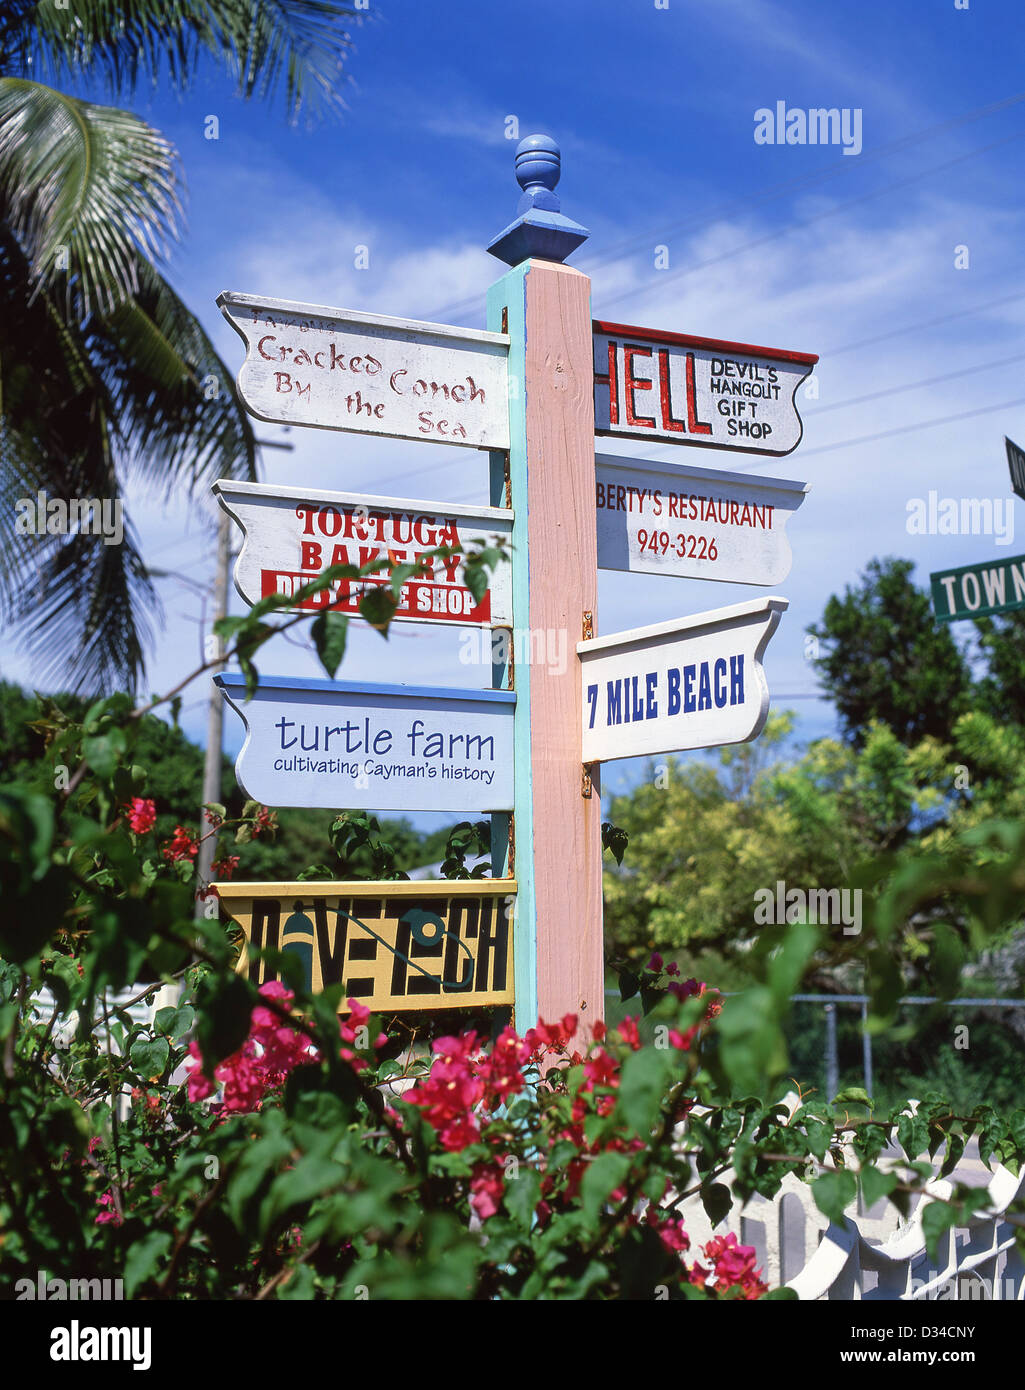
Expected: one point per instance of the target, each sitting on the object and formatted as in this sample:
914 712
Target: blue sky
802 247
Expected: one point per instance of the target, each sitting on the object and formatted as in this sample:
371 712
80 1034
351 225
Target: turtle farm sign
341 370
684 390
691 683
292 536
334 744
392 946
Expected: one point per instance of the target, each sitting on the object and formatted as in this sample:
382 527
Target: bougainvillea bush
264 1144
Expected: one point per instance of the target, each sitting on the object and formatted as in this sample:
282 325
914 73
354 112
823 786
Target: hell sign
678 389
338 369
392 946
691 683
694 523
331 744
292 537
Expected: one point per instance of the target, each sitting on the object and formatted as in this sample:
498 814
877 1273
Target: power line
916 385
925 323
909 429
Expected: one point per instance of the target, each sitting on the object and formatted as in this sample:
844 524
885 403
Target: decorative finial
540 229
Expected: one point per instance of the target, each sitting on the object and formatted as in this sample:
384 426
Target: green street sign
976 591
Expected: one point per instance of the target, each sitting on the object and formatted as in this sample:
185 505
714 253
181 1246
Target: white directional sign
338 369
292 536
691 683
695 523
684 390
337 744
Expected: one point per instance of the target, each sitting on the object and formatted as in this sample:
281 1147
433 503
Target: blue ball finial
538 166
540 228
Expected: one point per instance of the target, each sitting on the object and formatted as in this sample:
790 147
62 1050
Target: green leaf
224 1005
607 1172
143 1260
833 1192
522 1195
937 1218
875 1184
149 1056
642 1088
717 1201
329 631
913 1135
629 984
378 608
853 1095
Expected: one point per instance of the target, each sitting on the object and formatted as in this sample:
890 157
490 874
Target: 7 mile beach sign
690 683
677 389
338 369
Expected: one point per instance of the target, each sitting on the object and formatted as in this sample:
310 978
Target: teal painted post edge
509 293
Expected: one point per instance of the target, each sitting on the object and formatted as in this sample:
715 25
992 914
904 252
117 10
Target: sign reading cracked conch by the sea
342 370
679 389
690 683
332 744
292 536
693 523
392 946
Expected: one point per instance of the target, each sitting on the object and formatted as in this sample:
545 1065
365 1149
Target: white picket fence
877 1254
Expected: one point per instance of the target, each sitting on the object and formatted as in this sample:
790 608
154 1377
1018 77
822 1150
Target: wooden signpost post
693 523
292 536
678 389
533 390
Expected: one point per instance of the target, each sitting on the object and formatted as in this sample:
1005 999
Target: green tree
103 368
887 658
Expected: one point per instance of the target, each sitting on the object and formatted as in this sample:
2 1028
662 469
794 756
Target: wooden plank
691 683
693 523
551 463
307 364
706 392
292 536
393 946
335 744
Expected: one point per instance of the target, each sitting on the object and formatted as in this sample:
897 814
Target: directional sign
695 523
338 744
684 390
292 536
975 591
337 369
690 683
1016 463
392 946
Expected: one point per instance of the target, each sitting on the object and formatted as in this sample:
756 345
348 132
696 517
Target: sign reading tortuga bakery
338 369
292 537
391 945
678 389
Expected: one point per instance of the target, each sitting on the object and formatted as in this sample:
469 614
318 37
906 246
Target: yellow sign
396 945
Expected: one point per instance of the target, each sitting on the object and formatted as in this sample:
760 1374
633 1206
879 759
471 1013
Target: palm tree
103 369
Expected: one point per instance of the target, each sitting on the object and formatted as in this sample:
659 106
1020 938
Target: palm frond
88 190
268 45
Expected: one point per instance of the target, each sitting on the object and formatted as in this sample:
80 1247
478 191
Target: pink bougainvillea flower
486 1188
141 815
111 1216
182 845
225 867
656 962
628 1032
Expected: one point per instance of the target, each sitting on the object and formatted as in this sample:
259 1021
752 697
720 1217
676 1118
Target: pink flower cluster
181 845
733 1268
141 814
263 1062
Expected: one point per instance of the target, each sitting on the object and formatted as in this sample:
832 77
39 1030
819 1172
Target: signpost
678 389
392 946
533 390
292 536
694 523
336 744
1016 463
337 369
976 591
691 683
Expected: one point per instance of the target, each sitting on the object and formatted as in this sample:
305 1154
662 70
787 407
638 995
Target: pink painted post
545 308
